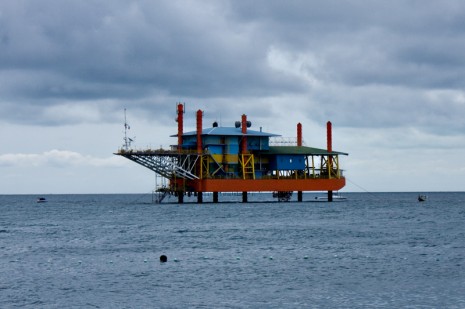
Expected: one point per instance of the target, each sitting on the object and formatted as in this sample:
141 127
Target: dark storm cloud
178 48
415 43
363 63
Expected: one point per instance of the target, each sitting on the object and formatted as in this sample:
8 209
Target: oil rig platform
237 159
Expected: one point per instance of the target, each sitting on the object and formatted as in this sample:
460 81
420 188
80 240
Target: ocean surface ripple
374 250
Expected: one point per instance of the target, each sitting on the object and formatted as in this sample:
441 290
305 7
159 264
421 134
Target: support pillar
244 134
330 196
299 196
180 111
299 134
180 197
244 197
199 132
215 197
199 197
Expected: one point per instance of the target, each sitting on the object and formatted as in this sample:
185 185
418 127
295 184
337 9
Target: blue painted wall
287 162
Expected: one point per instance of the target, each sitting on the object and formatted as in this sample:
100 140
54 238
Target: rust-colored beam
199 131
180 111
299 134
244 136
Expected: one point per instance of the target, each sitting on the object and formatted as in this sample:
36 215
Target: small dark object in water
422 198
163 258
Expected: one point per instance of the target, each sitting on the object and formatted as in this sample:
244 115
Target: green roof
300 150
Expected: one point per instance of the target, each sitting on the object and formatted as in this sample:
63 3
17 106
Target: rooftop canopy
301 150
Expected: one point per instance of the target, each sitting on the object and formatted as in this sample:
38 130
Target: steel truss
166 165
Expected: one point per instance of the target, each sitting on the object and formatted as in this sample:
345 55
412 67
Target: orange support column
199 132
180 111
329 143
244 148
329 136
199 152
299 144
179 119
244 136
299 134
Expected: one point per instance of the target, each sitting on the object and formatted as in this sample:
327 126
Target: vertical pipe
180 111
329 140
199 132
199 152
244 137
299 144
330 196
329 136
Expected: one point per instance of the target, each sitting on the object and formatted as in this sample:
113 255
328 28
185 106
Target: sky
389 75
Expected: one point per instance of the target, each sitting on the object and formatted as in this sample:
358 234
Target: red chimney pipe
329 136
329 141
199 131
180 111
299 134
244 137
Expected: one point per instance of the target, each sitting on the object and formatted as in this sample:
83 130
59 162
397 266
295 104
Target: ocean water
374 250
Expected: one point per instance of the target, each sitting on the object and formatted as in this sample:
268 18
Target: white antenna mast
127 140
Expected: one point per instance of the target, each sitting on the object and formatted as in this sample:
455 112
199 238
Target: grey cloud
145 47
148 55
376 42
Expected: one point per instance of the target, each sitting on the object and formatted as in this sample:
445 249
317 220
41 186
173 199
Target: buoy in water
163 258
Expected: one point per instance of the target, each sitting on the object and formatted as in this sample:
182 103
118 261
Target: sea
372 250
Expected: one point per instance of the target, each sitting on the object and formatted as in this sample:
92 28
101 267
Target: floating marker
305 257
145 260
271 257
163 258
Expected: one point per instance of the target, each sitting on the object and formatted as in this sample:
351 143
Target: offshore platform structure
237 159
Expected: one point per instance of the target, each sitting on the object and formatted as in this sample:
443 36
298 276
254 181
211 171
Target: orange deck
251 185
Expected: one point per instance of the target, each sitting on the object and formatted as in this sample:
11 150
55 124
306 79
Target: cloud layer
391 73
58 158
